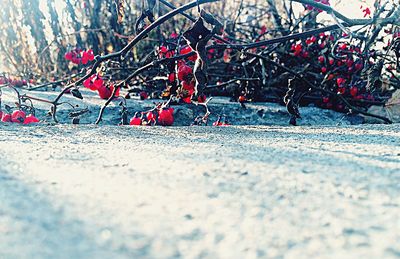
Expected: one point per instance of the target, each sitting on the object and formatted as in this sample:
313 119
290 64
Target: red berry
31 119
166 117
85 58
184 71
18 116
68 56
358 66
321 59
90 54
189 86
76 60
187 50
353 91
242 99
143 95
112 90
306 54
104 92
323 70
171 77
341 90
202 98
174 35
187 99
163 49
135 121
169 54
343 46
331 61
297 49
325 99
313 38
98 82
150 116
349 62
6 117
340 81
88 84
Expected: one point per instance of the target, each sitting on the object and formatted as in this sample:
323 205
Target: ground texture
199 192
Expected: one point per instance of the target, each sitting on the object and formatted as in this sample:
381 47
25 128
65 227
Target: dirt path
228 192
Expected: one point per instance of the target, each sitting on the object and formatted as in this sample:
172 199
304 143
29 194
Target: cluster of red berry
341 70
159 116
185 75
311 8
79 56
96 83
18 116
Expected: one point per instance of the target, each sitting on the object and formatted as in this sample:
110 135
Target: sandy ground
200 192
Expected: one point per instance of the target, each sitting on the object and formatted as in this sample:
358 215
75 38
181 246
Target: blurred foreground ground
200 192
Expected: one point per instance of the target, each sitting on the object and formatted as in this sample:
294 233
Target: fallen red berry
150 116
31 119
18 116
6 117
166 117
135 121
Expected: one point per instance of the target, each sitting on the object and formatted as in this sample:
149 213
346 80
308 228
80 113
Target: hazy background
26 46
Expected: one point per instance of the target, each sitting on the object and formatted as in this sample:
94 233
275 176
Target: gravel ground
199 192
